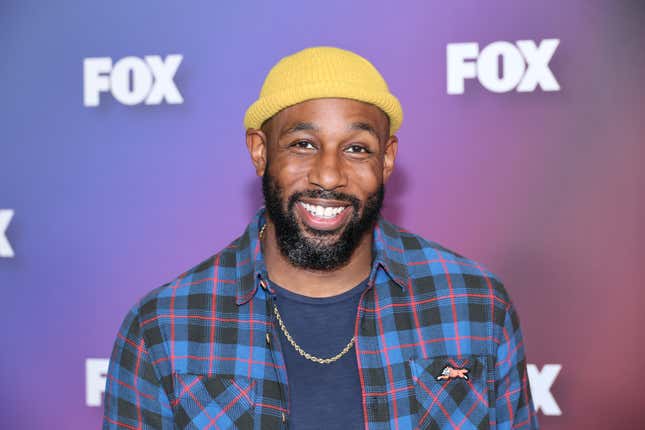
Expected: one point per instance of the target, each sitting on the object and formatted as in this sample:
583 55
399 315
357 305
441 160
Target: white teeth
322 211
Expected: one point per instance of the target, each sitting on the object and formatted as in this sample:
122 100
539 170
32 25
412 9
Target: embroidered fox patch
451 373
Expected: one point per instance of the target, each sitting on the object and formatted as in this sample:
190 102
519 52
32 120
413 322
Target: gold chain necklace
297 347
303 352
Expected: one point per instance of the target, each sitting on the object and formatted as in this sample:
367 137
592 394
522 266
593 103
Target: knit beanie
322 72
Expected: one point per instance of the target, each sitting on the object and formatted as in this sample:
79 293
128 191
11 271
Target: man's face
326 163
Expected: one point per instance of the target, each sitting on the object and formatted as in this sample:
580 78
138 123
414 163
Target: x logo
164 86
541 382
537 60
5 219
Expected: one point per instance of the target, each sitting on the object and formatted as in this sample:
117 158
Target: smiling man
323 315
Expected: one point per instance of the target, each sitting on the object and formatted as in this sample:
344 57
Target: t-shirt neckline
290 295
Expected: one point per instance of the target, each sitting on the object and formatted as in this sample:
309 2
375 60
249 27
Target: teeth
322 211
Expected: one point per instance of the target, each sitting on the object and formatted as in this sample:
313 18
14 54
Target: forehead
331 114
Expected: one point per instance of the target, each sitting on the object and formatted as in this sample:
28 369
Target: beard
321 250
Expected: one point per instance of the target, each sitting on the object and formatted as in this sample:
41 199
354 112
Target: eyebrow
308 126
364 126
301 126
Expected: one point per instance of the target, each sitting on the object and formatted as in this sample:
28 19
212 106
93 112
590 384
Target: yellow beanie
322 72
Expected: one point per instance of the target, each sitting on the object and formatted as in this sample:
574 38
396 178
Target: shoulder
433 265
191 288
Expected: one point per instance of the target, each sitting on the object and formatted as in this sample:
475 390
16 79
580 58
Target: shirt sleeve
514 405
134 396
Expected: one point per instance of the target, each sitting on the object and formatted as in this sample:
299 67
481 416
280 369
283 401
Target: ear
256 142
391 146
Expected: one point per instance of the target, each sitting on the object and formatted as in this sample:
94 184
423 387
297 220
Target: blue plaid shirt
203 352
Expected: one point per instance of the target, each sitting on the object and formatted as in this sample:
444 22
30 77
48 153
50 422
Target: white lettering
5 246
95 79
96 370
523 67
458 68
488 69
541 383
538 72
132 80
164 87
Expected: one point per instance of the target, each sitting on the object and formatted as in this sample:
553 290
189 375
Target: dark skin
323 144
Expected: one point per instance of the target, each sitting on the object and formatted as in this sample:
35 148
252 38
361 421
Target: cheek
291 176
366 178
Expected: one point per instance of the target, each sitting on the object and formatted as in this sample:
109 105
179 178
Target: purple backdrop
544 188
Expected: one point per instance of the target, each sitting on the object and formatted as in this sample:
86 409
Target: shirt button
284 418
268 338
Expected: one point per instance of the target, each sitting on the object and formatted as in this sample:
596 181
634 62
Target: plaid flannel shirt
202 351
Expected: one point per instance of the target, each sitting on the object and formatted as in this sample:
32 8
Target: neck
315 283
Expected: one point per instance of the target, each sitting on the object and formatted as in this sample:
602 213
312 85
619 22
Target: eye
357 149
302 144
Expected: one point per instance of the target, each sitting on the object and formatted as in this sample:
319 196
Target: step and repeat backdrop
122 164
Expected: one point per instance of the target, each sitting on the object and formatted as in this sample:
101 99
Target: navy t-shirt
321 395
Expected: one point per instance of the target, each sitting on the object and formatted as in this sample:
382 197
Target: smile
323 211
324 217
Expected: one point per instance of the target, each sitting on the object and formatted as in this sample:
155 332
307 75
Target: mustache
324 195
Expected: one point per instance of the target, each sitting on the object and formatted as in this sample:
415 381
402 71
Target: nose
327 171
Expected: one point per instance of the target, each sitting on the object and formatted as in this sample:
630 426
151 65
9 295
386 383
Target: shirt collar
389 255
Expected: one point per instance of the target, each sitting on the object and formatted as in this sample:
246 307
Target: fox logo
132 80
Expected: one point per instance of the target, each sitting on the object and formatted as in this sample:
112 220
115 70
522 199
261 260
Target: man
322 315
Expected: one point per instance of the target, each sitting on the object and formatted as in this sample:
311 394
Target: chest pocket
216 402
446 399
